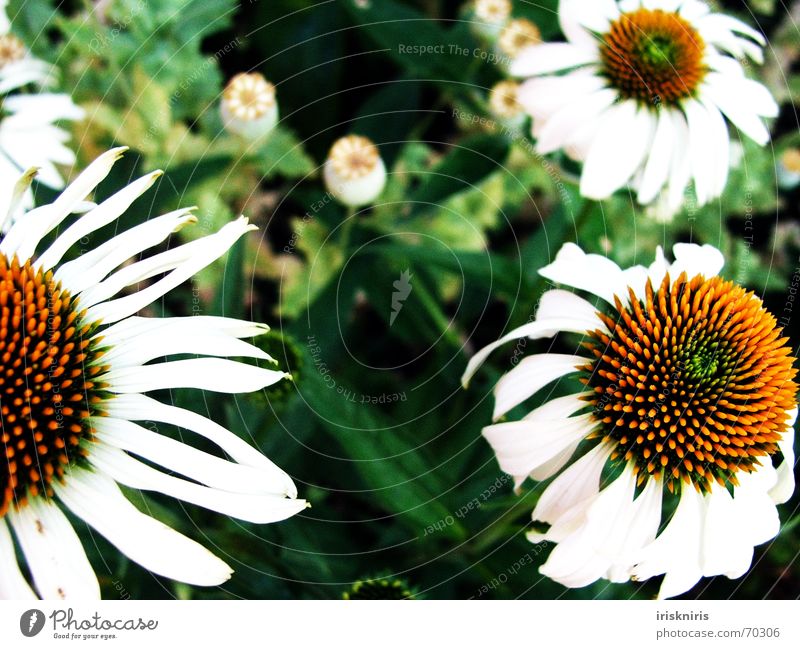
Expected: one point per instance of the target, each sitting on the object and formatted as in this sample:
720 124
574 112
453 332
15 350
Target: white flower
248 106
354 172
28 135
493 12
518 35
640 92
503 100
76 366
688 390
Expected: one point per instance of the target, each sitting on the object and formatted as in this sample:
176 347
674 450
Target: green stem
433 310
347 229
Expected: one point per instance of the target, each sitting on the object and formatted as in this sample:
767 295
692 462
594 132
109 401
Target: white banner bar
731 624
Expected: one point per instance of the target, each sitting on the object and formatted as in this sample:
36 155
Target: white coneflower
76 366
249 107
354 171
688 389
28 135
503 101
518 35
640 95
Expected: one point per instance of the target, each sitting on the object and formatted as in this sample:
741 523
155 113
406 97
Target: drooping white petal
138 407
255 508
138 326
178 338
701 150
558 311
106 212
24 236
92 266
12 584
724 94
529 376
784 486
617 152
753 504
676 552
158 548
726 551
656 171
217 374
522 446
645 518
54 552
680 166
576 485
184 459
541 97
550 57
209 249
562 125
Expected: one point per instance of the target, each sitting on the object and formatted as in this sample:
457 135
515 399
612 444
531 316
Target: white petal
158 548
12 583
54 553
137 407
92 266
579 483
550 57
694 260
532 374
255 508
137 326
784 487
217 374
588 272
643 523
676 552
656 171
211 248
541 97
522 446
108 211
681 164
184 459
753 504
558 311
730 102
561 127
725 551
704 149
25 234
617 152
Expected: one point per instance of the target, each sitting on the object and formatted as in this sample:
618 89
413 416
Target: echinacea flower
493 12
639 93
503 100
75 366
28 135
689 395
249 107
354 172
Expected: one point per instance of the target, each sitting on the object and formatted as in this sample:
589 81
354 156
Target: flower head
689 390
248 106
354 171
640 92
76 366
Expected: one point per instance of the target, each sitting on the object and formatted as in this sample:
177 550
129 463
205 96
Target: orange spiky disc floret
48 388
653 56
693 384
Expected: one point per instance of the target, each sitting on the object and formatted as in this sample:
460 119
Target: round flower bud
503 102
249 108
789 169
354 171
517 35
11 50
489 16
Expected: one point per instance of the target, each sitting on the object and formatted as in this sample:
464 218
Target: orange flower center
653 56
693 384
47 389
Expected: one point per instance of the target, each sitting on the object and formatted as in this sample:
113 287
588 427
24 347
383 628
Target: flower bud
354 171
490 16
504 104
517 35
249 108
